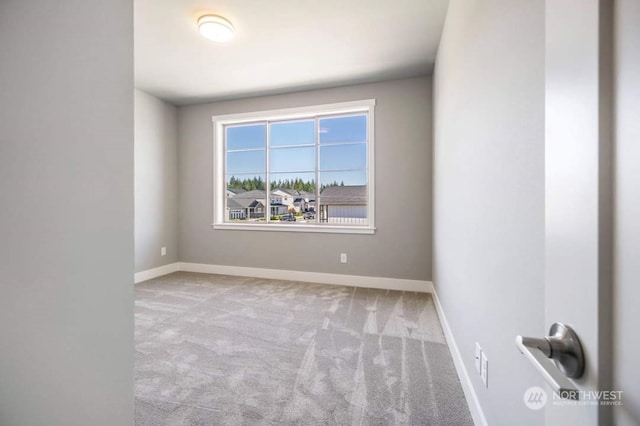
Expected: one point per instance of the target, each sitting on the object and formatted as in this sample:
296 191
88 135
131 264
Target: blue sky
293 153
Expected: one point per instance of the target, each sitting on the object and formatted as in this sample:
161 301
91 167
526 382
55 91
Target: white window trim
219 121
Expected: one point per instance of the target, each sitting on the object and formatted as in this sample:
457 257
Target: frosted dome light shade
215 28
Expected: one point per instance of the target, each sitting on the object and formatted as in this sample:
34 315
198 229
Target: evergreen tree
257 183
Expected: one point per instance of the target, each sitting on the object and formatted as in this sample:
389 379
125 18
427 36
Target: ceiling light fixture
215 28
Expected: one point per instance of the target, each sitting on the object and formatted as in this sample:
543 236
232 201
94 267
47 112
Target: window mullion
317 189
267 208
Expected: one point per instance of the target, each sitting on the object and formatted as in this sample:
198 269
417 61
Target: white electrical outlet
163 251
484 372
343 257
478 355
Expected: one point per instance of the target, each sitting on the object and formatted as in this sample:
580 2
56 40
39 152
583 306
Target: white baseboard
469 392
138 277
280 274
312 277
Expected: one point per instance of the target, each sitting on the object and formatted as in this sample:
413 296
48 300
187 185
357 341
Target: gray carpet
221 350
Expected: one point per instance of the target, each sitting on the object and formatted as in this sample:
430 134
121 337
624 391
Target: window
301 169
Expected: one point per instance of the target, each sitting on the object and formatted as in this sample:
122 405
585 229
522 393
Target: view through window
309 170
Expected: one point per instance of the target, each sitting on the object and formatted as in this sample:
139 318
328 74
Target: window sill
330 229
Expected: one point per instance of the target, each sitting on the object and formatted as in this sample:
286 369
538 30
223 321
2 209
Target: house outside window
312 166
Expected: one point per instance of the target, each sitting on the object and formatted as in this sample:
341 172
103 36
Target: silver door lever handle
564 348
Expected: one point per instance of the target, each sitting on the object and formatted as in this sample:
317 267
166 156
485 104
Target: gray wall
401 246
489 192
66 221
156 182
627 207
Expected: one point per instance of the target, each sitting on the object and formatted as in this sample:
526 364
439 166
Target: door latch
564 348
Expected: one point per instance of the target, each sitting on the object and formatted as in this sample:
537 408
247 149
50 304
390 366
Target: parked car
309 215
288 218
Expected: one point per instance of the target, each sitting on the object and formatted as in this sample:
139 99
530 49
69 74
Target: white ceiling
281 45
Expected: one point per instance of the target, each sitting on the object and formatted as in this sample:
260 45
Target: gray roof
254 194
285 190
246 199
306 194
234 205
348 195
242 204
236 190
